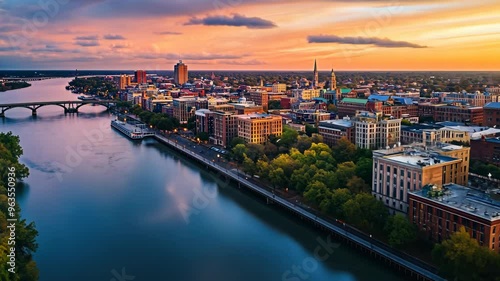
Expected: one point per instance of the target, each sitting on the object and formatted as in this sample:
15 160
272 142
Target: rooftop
258 116
464 199
419 155
336 123
354 100
492 105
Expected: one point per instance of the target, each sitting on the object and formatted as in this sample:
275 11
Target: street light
489 176
218 157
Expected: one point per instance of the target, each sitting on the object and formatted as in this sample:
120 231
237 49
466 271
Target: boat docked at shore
135 132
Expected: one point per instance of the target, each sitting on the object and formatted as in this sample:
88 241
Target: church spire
316 76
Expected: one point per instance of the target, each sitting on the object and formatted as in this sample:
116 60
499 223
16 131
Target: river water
111 209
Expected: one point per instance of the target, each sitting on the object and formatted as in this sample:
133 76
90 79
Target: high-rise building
316 76
401 169
140 77
125 81
180 73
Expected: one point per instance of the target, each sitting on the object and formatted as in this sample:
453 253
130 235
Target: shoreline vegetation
17 248
8 86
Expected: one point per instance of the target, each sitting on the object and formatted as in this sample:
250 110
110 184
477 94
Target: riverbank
8 86
406 264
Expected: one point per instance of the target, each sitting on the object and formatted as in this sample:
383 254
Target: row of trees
160 121
25 242
334 180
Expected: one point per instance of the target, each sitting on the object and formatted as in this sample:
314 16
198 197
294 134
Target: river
107 208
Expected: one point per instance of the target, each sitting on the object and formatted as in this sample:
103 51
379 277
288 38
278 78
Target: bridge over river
68 106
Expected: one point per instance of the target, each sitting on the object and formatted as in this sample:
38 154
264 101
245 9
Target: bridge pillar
33 112
2 114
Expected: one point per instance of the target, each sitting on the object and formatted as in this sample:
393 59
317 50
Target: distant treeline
13 85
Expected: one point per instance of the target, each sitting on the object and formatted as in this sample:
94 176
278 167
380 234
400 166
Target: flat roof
341 123
492 105
421 159
355 100
465 199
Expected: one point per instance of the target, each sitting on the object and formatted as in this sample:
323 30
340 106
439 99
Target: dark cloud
88 43
47 50
90 37
235 20
380 42
119 46
113 37
168 33
9 48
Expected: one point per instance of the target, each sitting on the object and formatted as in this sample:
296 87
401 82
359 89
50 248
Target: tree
406 122
277 177
270 150
365 212
401 231
240 152
165 124
203 136
249 166
303 143
345 171
274 104
255 151
288 138
310 130
332 108
357 185
461 258
316 192
364 169
344 150
235 141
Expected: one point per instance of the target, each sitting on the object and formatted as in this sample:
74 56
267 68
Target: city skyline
250 35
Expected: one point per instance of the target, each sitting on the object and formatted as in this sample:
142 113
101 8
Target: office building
486 150
260 98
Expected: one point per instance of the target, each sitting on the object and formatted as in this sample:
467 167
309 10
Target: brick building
439 212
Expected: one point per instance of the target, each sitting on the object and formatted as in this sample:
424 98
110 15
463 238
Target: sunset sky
250 34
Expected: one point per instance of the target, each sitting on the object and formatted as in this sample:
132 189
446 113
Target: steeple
333 81
316 76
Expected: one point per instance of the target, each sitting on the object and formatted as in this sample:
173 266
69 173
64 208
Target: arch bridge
68 106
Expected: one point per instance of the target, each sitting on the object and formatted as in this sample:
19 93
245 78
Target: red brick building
333 130
487 150
349 106
442 112
492 114
439 213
